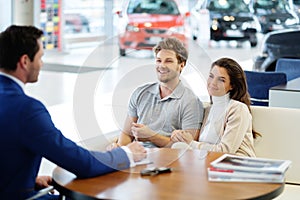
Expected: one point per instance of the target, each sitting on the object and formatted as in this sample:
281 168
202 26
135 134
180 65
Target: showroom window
85 21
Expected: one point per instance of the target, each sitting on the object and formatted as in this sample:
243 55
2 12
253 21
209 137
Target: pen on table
173 128
135 139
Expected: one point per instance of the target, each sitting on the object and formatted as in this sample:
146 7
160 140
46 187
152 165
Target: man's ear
24 60
182 65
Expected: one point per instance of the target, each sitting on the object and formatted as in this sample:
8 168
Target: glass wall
84 21
83 17
5 14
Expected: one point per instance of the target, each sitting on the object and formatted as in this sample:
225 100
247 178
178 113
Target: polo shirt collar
176 94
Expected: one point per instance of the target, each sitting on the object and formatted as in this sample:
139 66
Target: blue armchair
259 84
291 67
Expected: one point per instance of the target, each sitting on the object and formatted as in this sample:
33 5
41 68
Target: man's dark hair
17 41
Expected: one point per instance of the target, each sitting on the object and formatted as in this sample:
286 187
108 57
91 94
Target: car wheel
253 44
122 52
253 40
194 37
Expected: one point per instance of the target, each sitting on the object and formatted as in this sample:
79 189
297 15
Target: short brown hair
175 45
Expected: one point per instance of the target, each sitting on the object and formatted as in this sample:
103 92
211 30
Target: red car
146 22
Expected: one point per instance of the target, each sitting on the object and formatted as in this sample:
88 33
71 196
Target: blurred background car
277 44
274 14
229 20
143 23
76 23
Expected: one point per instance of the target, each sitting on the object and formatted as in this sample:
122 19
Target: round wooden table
188 180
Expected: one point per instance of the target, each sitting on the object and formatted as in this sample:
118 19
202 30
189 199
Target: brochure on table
233 168
233 162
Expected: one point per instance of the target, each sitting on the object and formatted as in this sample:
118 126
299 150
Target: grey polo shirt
180 110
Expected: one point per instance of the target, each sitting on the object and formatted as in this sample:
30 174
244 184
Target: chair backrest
291 67
259 84
280 130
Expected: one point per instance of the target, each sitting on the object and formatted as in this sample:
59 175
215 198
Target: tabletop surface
188 180
292 85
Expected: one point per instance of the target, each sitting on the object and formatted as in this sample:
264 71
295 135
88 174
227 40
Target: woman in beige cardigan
227 124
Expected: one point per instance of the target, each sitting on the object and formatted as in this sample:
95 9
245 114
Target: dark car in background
274 14
143 23
277 44
229 20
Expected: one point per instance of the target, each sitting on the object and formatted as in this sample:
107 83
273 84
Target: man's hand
138 151
181 136
43 182
141 131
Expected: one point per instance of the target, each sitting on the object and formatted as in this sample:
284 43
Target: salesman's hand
43 182
138 151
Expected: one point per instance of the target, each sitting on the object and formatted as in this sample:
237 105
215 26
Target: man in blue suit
27 131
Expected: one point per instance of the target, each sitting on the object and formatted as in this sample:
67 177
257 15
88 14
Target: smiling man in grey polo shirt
157 109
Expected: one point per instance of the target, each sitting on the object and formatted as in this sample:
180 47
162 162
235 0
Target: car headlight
132 28
214 24
177 29
291 21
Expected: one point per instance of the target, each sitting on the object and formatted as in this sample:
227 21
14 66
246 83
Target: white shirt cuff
129 155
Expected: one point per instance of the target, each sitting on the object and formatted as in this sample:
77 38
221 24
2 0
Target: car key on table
155 170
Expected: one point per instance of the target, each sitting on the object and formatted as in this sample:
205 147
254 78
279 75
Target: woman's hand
181 136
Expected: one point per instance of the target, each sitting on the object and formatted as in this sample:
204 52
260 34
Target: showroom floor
96 82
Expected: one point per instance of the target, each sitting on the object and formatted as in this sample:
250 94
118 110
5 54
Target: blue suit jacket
28 134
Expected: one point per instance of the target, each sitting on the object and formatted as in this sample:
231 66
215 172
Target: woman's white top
227 127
